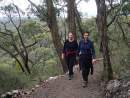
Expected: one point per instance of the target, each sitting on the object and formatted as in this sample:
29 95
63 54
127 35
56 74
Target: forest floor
64 88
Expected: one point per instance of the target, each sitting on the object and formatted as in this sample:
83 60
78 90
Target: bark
79 21
71 16
102 29
52 24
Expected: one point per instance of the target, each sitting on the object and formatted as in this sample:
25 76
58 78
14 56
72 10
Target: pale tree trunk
71 16
102 29
52 24
79 21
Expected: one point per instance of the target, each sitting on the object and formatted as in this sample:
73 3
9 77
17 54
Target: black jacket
70 48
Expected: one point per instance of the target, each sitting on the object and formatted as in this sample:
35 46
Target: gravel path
64 88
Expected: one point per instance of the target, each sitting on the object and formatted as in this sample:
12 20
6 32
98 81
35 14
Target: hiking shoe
70 77
91 72
84 84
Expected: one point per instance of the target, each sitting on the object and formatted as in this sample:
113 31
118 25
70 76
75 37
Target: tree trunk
79 21
71 16
52 24
26 63
102 29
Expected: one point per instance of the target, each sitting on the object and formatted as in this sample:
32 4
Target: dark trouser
85 62
70 61
92 69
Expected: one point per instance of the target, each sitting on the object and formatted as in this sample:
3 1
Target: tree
12 40
71 9
47 14
103 30
112 12
52 24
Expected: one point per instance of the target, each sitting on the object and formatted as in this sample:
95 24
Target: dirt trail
64 88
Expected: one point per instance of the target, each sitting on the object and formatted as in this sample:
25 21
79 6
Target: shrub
10 79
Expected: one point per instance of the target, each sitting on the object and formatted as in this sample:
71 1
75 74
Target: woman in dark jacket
86 56
69 53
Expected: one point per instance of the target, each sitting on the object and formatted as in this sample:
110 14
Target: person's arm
93 51
76 48
79 47
93 54
79 54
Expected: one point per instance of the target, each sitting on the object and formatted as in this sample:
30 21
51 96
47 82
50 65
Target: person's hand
94 61
62 55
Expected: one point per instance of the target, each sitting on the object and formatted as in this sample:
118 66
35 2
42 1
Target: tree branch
11 35
79 22
18 15
11 54
123 33
114 40
33 4
116 15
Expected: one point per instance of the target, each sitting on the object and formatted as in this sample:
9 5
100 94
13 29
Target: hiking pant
70 61
85 63
92 69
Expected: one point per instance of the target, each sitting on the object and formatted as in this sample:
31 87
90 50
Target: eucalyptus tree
110 12
103 31
47 13
13 38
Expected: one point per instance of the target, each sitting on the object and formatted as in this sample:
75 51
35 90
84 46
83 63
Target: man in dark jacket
69 53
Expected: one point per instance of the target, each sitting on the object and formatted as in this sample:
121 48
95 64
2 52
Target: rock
113 85
128 83
28 92
47 80
15 96
128 94
37 86
52 78
118 89
123 96
3 95
9 93
33 89
61 75
124 85
15 91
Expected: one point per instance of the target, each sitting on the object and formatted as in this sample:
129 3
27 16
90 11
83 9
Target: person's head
86 35
70 36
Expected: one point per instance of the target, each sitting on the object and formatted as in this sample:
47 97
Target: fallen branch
99 59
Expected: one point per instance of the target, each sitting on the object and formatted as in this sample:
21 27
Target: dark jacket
86 48
70 48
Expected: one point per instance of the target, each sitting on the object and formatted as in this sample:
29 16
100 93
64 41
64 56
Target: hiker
86 57
69 53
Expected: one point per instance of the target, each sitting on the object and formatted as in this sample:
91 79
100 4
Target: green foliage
52 68
119 49
30 28
90 25
42 72
126 7
43 59
10 79
50 62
